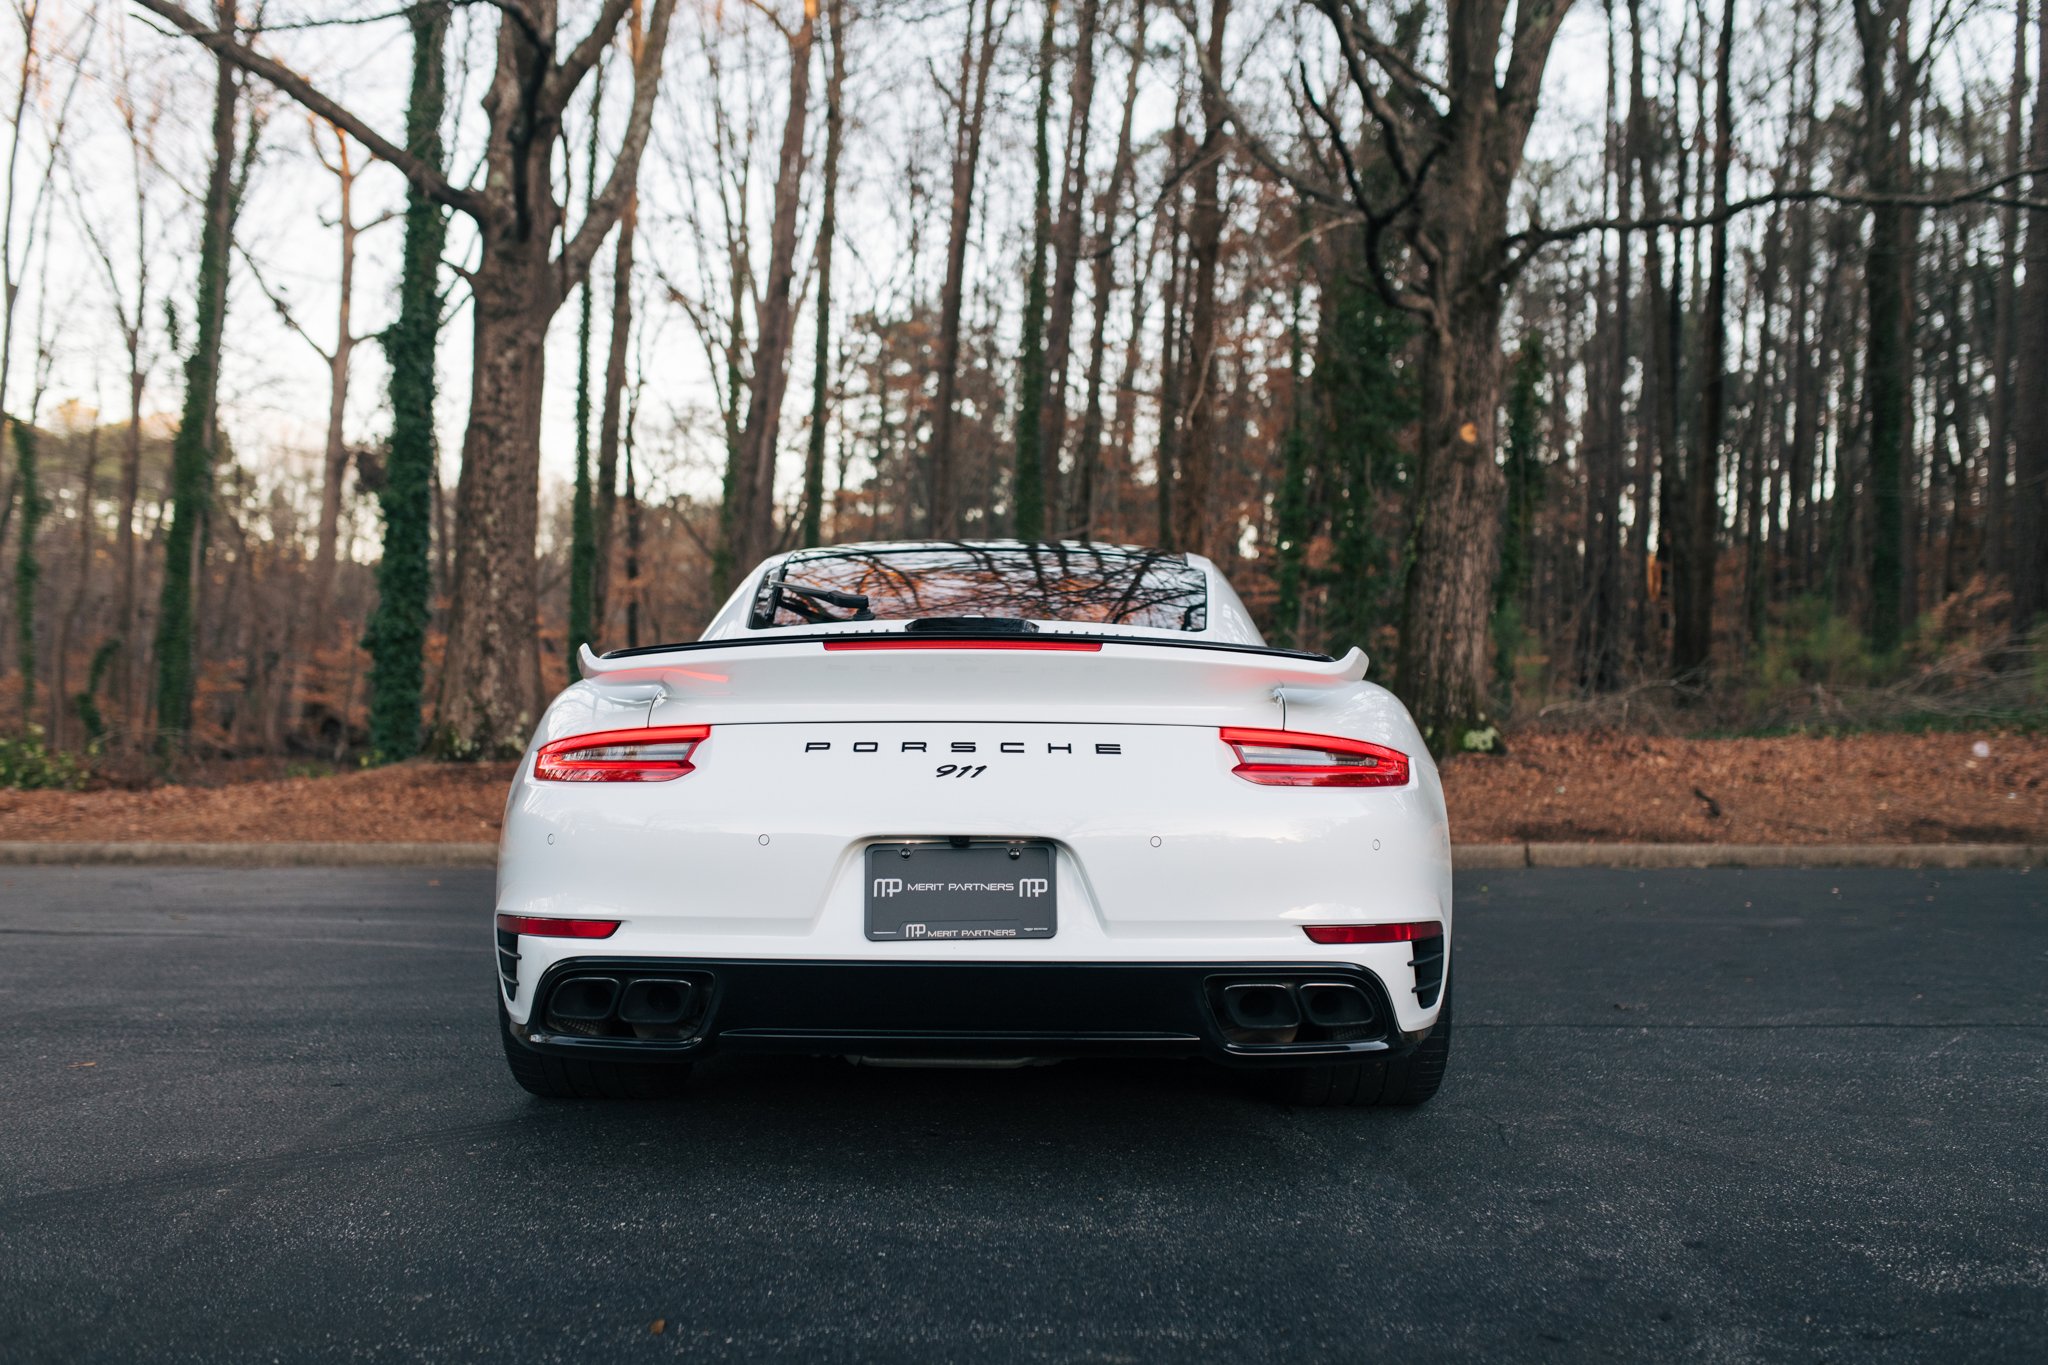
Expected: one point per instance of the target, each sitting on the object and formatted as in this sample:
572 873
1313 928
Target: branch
562 82
284 309
604 210
428 180
1985 192
1391 129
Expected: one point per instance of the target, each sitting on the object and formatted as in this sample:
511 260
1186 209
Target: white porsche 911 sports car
977 802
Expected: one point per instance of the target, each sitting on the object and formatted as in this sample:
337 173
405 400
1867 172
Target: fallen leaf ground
1932 788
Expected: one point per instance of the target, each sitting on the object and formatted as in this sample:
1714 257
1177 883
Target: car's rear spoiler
876 676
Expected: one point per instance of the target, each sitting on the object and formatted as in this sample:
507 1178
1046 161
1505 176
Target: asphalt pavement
1710 1115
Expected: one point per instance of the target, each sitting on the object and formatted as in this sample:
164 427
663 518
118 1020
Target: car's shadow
1149 1118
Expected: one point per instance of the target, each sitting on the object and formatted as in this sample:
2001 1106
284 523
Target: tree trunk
821 360
2004 322
490 693
334 465
1660 383
977 59
615 374
1446 664
1692 588
1192 520
1888 281
1600 630
397 632
1102 285
2030 494
1172 344
749 529
124 538
582 515
1066 244
193 450
608 422
1027 490
490 702
27 569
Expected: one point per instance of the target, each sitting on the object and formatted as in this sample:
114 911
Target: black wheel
578 1078
1387 1082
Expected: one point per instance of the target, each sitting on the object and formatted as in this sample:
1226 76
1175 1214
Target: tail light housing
657 754
540 926
1374 933
1289 758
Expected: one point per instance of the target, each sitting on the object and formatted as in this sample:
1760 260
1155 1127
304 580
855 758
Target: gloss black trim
964 1009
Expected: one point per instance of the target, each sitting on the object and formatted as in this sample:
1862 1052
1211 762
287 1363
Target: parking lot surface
256 1115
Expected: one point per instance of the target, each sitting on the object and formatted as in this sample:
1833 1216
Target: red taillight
926 642
660 754
1374 933
1287 758
557 928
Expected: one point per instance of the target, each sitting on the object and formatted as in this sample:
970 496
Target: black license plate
943 892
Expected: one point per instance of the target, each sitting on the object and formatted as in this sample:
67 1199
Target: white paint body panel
1163 855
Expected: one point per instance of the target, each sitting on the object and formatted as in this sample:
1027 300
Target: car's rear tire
580 1078
1401 1082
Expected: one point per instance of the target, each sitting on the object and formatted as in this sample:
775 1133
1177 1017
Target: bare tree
337 357
1452 141
615 370
821 362
2030 495
969 101
1191 521
490 684
139 110
747 527
2004 326
1692 589
1066 246
1102 280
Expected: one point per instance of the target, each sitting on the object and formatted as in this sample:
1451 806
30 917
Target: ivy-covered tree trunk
490 680
398 629
1291 520
1525 494
27 571
1363 405
192 451
1027 494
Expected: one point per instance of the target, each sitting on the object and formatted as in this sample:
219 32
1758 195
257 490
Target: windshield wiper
856 602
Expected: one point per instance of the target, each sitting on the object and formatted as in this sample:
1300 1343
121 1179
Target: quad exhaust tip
1259 1006
584 999
1334 1004
627 1006
1294 1010
656 1003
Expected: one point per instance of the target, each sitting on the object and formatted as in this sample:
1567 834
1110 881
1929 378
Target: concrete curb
251 854
1466 857
1477 857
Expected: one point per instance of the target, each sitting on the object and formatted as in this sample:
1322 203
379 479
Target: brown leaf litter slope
1935 788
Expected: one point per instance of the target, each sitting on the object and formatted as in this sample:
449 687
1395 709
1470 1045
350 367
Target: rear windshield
1081 583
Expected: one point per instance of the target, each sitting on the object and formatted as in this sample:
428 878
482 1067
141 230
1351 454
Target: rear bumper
956 1010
